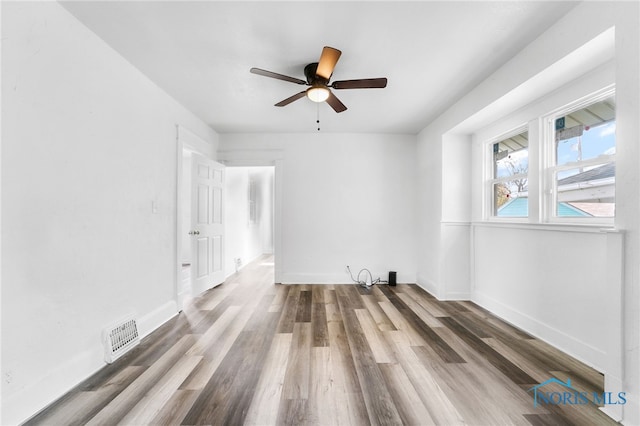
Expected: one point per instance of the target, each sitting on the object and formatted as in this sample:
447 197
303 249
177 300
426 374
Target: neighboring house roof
519 207
598 173
597 209
567 210
516 207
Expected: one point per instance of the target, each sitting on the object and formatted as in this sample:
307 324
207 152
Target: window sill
554 227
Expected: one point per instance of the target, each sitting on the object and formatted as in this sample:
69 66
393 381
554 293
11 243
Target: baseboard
455 296
428 286
154 319
582 351
293 278
614 385
630 411
198 290
431 288
233 271
343 278
31 400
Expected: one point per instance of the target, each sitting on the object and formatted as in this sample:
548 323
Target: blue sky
595 141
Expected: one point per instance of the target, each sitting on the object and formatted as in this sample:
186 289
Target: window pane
511 156
510 199
582 135
586 191
511 160
587 133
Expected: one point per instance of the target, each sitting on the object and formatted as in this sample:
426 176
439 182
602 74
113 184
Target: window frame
490 180
549 167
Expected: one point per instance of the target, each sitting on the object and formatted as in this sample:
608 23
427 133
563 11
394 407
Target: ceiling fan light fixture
318 93
317 76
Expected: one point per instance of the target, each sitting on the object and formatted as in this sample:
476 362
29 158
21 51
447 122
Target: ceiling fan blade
291 99
275 75
363 83
328 61
335 103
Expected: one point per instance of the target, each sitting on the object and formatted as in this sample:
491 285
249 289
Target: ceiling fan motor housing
312 78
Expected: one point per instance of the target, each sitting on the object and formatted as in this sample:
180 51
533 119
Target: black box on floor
392 277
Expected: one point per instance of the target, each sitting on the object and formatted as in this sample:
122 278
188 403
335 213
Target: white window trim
490 180
549 168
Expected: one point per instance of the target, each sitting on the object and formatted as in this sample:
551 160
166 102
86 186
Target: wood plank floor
257 353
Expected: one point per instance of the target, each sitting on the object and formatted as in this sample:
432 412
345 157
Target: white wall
346 199
429 210
266 178
245 240
88 144
541 290
553 281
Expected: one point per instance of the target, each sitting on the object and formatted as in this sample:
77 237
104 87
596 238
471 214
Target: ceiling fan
318 75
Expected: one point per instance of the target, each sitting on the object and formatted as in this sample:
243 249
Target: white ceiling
431 52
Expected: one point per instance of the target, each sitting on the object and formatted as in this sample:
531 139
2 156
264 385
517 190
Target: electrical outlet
8 377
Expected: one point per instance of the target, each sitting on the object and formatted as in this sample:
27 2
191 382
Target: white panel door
207 230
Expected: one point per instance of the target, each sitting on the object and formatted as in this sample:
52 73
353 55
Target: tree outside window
510 175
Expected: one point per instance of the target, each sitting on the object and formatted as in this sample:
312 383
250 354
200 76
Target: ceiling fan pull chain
318 115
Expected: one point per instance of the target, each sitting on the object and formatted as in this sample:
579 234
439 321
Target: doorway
265 212
250 215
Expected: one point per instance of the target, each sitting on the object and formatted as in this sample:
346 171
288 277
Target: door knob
194 232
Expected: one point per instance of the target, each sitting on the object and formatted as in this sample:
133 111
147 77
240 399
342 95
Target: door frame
185 140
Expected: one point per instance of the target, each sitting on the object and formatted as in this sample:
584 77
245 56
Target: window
508 183
581 149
